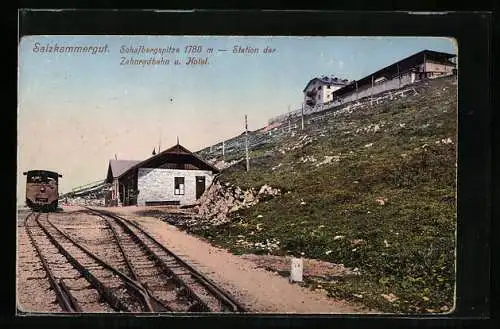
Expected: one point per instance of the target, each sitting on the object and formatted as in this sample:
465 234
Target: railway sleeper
148 264
37 277
79 286
198 307
147 277
161 286
175 305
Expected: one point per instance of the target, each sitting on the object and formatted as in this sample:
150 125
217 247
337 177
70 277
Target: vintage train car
42 191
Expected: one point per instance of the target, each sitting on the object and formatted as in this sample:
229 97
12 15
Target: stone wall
156 184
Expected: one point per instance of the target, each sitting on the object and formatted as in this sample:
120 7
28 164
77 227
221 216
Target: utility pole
425 64
223 150
357 94
399 76
302 116
289 119
246 143
159 142
371 96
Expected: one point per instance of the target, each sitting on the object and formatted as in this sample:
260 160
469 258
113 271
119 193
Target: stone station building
175 176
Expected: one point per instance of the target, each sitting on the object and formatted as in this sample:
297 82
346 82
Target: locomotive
42 191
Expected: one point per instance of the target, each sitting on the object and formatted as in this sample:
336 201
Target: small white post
296 270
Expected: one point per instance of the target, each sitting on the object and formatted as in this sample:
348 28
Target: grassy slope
408 243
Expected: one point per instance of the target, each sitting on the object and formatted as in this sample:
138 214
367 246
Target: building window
178 185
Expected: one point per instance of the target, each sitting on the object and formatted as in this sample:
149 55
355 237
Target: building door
200 186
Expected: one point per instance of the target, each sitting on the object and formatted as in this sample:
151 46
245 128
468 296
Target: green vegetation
385 204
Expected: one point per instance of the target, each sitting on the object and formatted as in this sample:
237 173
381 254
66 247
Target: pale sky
77 110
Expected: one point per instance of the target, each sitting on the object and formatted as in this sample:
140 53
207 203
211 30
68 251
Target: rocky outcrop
222 199
221 164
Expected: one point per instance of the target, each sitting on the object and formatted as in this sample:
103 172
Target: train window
42 178
35 179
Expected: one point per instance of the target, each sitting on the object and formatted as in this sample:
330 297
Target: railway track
37 294
166 277
81 281
127 270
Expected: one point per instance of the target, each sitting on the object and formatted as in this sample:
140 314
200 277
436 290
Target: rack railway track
81 281
135 273
181 287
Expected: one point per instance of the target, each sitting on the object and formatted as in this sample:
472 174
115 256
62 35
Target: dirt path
258 290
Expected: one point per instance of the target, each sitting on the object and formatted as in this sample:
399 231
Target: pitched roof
174 151
325 80
118 167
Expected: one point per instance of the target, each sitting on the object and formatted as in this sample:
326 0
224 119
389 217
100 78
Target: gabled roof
177 151
328 81
118 167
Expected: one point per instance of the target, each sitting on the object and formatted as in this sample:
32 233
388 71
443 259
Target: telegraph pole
289 119
246 143
357 93
302 115
425 64
223 150
371 96
399 76
159 142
